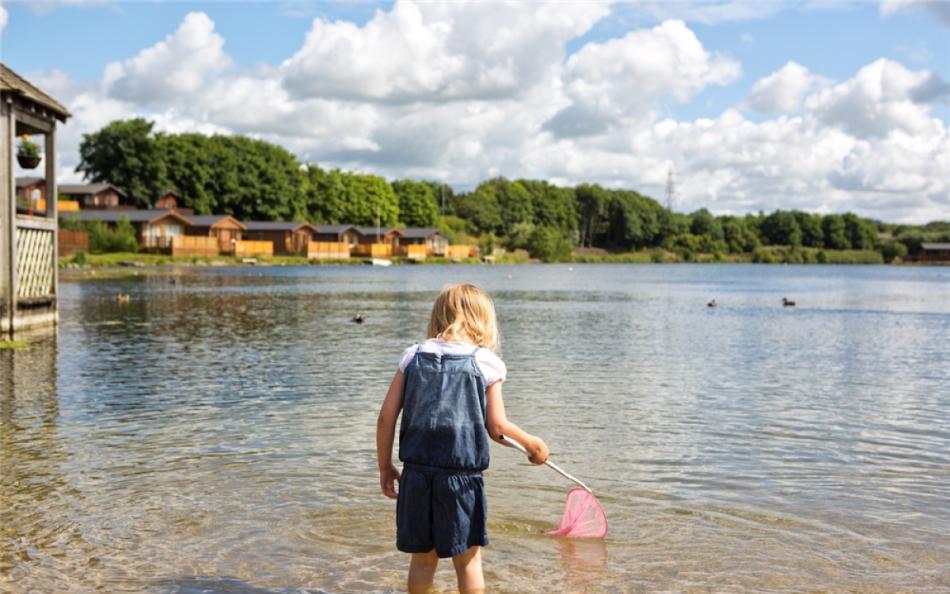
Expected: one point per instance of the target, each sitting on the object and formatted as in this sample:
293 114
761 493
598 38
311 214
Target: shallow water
216 434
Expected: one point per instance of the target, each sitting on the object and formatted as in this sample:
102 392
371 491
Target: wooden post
7 219
51 211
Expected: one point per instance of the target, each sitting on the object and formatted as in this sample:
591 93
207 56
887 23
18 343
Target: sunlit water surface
216 434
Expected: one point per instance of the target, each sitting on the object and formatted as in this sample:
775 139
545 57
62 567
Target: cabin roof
212 220
334 228
935 246
277 226
12 82
114 216
24 182
419 232
372 230
88 189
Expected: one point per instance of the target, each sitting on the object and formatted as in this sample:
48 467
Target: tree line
256 180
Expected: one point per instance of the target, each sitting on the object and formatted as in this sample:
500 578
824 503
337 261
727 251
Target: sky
820 105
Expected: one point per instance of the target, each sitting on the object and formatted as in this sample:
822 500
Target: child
449 391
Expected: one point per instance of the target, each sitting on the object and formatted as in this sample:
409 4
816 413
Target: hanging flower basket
28 161
28 153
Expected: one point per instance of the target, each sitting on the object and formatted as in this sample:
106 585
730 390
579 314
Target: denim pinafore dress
443 444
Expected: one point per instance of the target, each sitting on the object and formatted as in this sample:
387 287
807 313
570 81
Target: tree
481 208
781 228
810 225
861 233
125 153
704 223
833 228
417 204
739 235
591 206
548 244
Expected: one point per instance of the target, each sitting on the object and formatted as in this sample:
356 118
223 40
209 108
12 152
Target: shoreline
133 264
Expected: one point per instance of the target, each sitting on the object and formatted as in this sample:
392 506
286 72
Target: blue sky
729 48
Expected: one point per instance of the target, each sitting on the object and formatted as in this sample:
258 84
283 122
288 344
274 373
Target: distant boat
380 262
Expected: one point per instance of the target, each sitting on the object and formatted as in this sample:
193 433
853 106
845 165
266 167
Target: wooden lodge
154 229
420 242
347 234
934 252
168 200
225 228
288 238
92 196
377 242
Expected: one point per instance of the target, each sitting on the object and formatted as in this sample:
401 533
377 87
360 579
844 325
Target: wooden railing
414 251
327 250
192 245
373 250
461 251
245 248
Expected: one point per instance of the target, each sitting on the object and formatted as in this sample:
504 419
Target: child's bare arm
385 433
498 424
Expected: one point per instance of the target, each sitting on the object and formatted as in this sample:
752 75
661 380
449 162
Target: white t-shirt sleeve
407 356
491 366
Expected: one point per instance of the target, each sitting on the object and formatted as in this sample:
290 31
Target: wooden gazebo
28 245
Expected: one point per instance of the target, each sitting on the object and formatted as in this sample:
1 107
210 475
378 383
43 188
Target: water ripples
216 434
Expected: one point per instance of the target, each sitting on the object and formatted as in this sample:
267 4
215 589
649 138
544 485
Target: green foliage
417 204
105 239
481 208
862 234
27 148
781 228
126 154
739 235
455 229
591 207
891 249
552 206
703 223
79 258
341 197
834 231
810 225
548 244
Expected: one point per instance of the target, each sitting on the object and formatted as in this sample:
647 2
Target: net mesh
583 516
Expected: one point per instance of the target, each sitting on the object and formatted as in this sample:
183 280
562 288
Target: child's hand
538 451
387 479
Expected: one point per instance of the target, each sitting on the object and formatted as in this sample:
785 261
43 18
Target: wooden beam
39 124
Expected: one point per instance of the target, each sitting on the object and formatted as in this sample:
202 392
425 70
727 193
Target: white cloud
939 9
868 144
173 68
783 90
711 13
4 16
883 96
626 77
437 51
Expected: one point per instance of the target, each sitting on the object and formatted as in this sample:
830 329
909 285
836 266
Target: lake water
216 434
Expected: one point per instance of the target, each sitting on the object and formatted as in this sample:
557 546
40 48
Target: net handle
557 468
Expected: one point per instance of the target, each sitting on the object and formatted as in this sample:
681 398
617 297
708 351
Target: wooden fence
327 249
461 251
194 245
373 250
414 252
71 242
244 249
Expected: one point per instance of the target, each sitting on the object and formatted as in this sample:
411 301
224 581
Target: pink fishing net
583 516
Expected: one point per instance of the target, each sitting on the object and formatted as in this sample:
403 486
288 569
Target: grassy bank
762 255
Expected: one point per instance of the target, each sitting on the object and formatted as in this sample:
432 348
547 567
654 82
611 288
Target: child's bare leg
468 570
422 571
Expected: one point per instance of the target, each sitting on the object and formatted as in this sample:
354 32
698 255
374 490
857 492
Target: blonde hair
464 313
